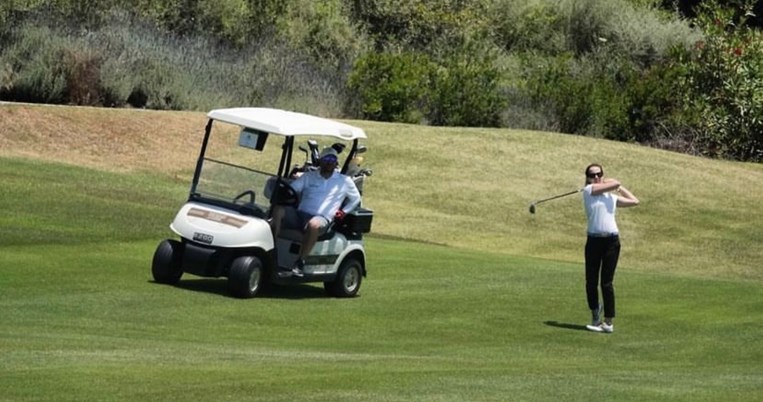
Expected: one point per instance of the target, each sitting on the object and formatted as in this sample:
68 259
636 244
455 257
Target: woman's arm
604 186
626 199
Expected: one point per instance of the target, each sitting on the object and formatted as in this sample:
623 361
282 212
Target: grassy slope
464 187
83 321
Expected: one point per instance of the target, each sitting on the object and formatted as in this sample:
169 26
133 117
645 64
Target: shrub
239 22
33 68
587 95
723 82
465 89
553 85
654 110
641 34
130 62
521 26
323 31
390 86
83 76
176 16
418 24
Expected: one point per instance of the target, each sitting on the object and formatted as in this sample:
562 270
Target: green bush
465 90
585 95
521 26
323 31
655 108
553 86
419 24
390 86
619 69
641 34
239 22
33 71
723 83
130 62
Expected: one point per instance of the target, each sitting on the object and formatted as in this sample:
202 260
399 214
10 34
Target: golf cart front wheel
165 266
348 279
245 276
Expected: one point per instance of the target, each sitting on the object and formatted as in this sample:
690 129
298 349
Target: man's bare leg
310 237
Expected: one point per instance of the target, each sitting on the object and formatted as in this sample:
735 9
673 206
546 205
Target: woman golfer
601 197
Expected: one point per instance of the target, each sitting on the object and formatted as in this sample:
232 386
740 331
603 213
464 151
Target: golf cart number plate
203 238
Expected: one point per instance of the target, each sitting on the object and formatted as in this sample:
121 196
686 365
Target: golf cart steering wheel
285 194
250 193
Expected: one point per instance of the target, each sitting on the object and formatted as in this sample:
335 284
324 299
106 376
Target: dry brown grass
112 139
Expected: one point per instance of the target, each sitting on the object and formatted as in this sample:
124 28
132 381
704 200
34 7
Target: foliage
466 89
553 85
461 89
240 21
656 113
619 69
33 69
521 26
132 63
418 24
723 83
390 86
323 31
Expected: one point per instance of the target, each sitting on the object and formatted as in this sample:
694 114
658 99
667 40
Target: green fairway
82 319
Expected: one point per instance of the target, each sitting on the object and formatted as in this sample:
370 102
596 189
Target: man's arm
353 196
299 183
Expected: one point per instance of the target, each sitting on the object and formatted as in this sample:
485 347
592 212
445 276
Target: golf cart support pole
200 160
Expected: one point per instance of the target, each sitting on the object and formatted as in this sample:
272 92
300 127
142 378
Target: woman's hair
589 168
593 165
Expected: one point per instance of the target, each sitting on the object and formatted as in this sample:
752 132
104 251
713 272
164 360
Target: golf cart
247 160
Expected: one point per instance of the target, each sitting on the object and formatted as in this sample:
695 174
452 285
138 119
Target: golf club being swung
532 206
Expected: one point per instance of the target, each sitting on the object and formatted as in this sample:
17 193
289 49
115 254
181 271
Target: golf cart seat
295 235
353 225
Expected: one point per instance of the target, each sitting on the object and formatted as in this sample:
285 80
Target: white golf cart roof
283 122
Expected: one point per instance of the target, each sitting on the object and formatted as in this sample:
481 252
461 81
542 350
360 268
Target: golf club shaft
557 196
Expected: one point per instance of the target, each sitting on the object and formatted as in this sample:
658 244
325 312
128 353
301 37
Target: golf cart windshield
233 173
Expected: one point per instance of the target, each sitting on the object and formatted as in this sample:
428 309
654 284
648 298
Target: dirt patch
112 139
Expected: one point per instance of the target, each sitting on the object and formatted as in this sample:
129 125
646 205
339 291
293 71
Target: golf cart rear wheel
245 276
166 264
348 279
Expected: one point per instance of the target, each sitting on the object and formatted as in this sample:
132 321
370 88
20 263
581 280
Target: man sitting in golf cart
322 194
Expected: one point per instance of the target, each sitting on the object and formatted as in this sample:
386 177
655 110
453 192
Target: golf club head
314 151
532 208
338 147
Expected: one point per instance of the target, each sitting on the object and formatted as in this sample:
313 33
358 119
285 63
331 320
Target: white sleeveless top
600 211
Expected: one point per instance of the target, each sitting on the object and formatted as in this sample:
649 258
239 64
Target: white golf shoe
602 327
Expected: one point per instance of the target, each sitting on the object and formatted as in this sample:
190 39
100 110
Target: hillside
462 187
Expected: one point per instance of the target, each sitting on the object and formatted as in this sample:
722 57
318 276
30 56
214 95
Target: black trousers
601 255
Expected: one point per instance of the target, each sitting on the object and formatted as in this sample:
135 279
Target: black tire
348 279
245 277
165 266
